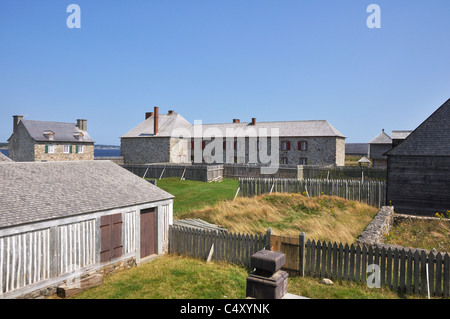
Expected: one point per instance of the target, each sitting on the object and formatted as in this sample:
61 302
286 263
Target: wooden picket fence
226 246
400 269
370 192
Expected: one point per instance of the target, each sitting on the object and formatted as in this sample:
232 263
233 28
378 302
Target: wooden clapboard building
60 220
418 169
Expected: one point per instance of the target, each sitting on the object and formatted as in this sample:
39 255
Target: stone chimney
82 124
253 121
170 112
156 118
236 121
16 121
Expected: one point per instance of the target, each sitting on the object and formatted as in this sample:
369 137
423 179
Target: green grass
177 277
173 277
191 195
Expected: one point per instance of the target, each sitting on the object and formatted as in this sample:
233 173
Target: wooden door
111 237
148 232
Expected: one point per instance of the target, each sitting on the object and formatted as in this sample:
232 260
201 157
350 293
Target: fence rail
370 192
404 270
230 247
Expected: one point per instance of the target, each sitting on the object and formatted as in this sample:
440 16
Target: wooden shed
63 219
418 169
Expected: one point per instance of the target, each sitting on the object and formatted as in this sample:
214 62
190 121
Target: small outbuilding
377 147
61 220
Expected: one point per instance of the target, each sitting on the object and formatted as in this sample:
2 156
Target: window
49 149
302 146
66 149
303 161
284 160
80 149
285 146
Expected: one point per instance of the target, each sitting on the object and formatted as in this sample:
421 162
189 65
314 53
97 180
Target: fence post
301 255
268 234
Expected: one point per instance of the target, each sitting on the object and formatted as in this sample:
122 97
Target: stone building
169 138
36 141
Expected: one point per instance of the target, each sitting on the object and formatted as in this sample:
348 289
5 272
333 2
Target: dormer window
49 135
78 135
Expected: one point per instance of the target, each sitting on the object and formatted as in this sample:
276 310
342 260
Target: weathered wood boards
370 192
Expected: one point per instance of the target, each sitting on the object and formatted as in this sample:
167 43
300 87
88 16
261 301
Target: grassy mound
321 218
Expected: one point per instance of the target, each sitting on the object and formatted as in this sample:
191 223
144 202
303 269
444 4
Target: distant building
377 147
36 141
359 149
64 220
418 169
399 136
157 140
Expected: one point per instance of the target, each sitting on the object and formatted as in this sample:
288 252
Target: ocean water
97 152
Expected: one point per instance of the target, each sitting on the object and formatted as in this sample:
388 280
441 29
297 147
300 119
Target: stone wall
59 155
141 150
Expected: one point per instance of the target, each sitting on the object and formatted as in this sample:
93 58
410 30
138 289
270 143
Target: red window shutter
288 145
105 234
192 144
235 145
203 145
299 146
224 145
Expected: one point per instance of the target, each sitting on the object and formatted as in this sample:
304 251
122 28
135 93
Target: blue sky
217 60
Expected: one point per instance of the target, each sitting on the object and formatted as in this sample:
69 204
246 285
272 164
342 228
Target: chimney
170 112
253 121
236 121
82 124
156 118
16 121
148 114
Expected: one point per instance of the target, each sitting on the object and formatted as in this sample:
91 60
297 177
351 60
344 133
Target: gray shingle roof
432 137
4 158
381 138
169 123
37 191
64 132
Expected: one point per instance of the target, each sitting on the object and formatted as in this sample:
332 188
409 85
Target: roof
363 160
357 148
170 124
167 123
4 158
431 138
63 132
381 138
400 135
38 191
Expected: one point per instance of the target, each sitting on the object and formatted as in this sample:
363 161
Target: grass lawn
177 277
173 277
421 234
191 195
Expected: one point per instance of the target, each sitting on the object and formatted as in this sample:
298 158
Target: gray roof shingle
170 123
381 138
37 191
431 138
64 132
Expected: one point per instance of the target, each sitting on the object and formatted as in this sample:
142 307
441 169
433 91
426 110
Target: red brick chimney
148 114
156 118
236 121
170 112
253 121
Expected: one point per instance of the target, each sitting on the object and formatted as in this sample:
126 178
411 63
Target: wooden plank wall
419 185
